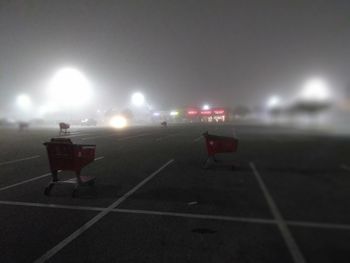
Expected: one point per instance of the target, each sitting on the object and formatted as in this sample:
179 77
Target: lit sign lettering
192 112
219 112
206 112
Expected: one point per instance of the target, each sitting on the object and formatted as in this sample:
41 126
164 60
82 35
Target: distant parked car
88 122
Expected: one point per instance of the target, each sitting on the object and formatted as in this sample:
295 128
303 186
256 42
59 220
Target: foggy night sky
179 53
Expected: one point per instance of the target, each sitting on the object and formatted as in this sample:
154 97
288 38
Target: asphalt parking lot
287 201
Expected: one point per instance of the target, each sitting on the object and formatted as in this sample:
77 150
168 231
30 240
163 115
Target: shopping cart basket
23 125
64 128
65 156
219 144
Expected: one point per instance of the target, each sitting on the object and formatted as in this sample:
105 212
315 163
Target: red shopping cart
23 125
219 144
65 156
64 128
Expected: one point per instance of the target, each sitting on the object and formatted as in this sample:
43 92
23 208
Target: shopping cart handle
86 145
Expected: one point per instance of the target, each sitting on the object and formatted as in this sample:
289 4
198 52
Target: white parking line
135 136
286 234
68 134
98 136
319 225
166 136
71 207
24 182
112 135
99 158
184 215
345 167
75 135
98 217
20 160
35 178
198 216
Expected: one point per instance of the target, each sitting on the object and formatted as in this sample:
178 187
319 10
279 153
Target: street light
206 107
70 88
138 99
47 108
24 102
315 90
273 102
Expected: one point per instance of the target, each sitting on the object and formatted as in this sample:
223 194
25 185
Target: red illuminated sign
219 112
192 112
195 112
206 112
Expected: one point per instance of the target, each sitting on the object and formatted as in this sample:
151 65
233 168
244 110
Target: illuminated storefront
211 115
193 115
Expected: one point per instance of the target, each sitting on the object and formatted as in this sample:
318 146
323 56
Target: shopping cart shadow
98 192
222 165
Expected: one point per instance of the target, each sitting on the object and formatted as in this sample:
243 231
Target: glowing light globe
273 102
206 107
70 88
24 102
138 99
315 90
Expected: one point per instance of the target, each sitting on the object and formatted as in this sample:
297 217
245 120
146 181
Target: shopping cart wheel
91 182
209 162
235 166
48 189
75 193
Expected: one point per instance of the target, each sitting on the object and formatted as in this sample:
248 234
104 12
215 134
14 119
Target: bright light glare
48 108
24 102
70 88
273 102
206 107
156 113
174 113
118 122
315 90
138 99
42 110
